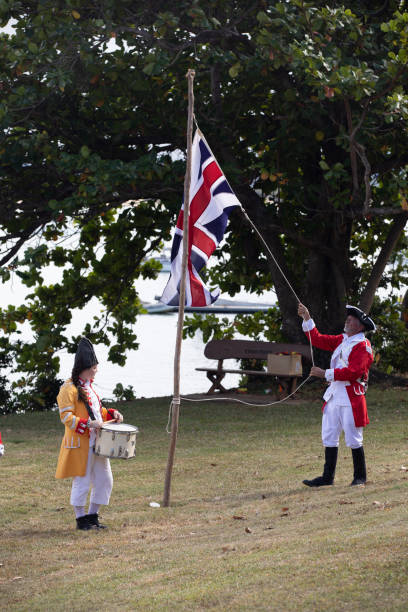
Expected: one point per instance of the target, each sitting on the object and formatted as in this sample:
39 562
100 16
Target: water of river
149 370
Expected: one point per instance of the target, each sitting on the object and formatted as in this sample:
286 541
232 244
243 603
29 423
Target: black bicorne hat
85 356
361 316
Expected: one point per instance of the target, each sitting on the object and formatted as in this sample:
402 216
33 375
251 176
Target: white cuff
329 375
308 325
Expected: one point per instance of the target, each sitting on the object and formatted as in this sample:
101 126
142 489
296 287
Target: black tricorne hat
361 316
85 356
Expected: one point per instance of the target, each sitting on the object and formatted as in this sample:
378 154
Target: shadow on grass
239 497
67 531
44 533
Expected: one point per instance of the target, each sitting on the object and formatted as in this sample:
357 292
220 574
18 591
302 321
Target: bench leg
282 388
216 378
285 383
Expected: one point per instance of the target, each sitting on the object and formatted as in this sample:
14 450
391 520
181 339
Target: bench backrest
251 349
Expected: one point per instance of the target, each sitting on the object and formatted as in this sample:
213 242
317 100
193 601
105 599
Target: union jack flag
211 201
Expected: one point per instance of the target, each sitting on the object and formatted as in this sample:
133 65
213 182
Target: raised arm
327 342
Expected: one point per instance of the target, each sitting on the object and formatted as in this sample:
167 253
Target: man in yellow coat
82 413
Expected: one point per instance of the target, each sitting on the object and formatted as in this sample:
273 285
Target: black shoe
83 523
360 473
93 520
357 481
329 469
318 482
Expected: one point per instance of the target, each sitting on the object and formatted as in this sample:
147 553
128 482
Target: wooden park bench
249 349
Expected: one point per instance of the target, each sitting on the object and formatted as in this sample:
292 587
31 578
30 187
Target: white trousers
99 476
337 418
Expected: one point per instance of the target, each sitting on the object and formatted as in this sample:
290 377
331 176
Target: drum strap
90 412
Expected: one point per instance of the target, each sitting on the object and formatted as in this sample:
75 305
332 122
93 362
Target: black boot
94 521
327 477
360 474
83 523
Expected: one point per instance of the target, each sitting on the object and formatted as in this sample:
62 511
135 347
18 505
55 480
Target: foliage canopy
304 105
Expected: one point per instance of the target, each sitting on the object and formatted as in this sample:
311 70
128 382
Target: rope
169 418
175 401
269 251
233 399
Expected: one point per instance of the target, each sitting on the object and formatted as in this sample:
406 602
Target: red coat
355 356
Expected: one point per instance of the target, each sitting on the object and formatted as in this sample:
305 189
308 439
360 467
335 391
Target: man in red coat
345 407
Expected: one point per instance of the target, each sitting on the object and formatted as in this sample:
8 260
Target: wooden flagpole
175 404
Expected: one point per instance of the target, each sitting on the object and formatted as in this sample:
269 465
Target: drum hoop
111 427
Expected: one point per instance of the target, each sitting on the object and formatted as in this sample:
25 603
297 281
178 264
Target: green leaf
403 56
263 18
149 68
235 70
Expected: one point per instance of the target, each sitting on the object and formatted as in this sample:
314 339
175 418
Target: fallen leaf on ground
238 518
285 509
228 548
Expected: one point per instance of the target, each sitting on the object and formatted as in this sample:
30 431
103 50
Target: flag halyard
211 202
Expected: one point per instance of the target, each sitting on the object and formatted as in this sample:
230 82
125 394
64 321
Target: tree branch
396 229
353 156
367 173
14 249
357 148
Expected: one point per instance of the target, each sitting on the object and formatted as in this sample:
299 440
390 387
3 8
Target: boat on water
221 306
164 260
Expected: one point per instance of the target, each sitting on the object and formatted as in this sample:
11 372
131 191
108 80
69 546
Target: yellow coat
74 449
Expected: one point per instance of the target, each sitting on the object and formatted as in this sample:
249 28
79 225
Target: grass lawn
242 532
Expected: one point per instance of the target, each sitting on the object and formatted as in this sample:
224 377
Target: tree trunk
404 313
